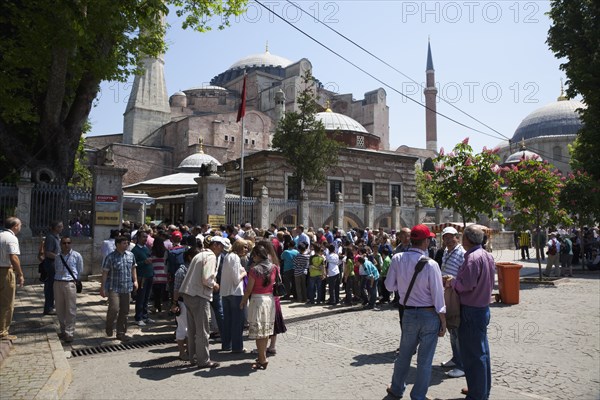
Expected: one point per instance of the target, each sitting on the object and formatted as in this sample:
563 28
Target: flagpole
241 114
242 176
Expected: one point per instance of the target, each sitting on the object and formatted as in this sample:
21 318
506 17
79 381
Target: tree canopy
575 37
467 183
303 141
53 56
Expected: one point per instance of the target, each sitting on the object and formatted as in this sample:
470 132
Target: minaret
148 106
430 101
279 105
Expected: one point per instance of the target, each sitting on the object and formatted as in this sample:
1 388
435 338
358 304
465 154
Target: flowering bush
469 183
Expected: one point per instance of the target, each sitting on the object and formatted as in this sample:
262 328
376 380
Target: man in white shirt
10 266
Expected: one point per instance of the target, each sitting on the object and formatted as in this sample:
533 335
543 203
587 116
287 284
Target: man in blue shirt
119 278
68 267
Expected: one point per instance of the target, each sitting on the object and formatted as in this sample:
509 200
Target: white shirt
333 264
232 269
9 244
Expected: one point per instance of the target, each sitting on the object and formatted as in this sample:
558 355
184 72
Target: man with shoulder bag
418 281
68 267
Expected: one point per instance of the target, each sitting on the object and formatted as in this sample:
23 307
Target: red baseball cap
420 232
176 234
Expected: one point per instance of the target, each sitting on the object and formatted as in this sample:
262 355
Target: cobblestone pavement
547 346
544 348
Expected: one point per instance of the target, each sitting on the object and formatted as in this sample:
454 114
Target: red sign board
104 198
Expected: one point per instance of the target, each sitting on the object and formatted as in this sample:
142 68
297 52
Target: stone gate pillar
395 214
369 211
417 212
211 198
303 209
338 210
24 187
263 208
107 210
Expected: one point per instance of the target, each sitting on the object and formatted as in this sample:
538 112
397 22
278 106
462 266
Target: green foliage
581 198
423 193
53 56
534 188
303 141
468 183
82 176
575 36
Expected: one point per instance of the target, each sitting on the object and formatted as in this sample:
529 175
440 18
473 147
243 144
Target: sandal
210 365
259 365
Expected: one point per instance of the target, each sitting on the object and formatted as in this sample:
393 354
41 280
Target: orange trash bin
509 282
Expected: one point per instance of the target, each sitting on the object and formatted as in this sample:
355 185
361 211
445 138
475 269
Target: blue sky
490 58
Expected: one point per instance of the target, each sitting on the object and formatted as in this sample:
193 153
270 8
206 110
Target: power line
373 76
392 67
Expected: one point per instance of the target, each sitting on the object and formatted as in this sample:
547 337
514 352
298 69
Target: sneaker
149 321
455 373
8 337
140 323
449 364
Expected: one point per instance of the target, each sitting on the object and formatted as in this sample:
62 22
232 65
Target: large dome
334 121
554 119
265 59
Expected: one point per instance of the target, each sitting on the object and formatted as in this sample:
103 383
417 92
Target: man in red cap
418 280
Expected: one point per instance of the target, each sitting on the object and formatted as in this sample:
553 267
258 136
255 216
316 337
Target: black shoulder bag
418 268
78 284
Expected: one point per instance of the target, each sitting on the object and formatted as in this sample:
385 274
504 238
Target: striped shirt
160 274
452 260
119 267
301 264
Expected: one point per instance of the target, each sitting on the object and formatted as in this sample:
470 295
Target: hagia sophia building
166 138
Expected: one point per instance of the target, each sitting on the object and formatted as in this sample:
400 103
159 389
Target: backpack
552 248
175 259
566 247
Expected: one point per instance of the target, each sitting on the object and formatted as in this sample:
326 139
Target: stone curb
62 376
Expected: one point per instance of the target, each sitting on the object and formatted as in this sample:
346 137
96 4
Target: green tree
303 141
575 36
466 182
423 193
534 188
53 56
581 198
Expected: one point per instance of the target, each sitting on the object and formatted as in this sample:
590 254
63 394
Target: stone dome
334 121
194 162
179 93
554 119
207 87
263 59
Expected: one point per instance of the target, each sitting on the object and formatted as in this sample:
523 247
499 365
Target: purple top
475 279
428 289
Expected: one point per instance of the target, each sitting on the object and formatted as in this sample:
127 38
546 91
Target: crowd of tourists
217 282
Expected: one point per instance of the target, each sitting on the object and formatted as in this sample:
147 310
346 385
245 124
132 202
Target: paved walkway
37 366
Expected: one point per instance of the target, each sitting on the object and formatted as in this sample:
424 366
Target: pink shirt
475 279
258 282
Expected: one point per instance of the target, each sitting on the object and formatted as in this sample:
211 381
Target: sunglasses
65 242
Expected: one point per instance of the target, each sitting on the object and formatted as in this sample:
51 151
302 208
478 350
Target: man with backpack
566 256
174 259
553 255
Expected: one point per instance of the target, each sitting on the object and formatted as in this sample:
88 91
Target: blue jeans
419 330
314 283
372 290
141 300
217 307
475 350
456 359
49 285
233 324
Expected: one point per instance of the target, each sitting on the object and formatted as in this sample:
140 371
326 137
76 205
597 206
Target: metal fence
8 201
283 212
319 213
71 205
249 212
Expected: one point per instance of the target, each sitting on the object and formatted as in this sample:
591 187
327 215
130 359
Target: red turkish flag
242 109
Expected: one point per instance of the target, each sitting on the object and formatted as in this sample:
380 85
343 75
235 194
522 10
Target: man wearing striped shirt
452 260
119 278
